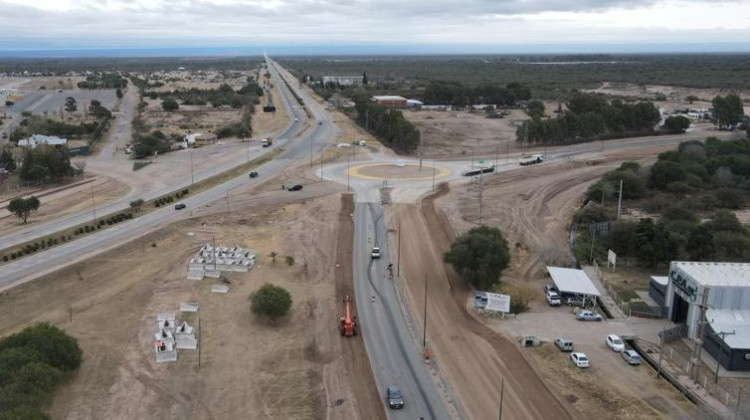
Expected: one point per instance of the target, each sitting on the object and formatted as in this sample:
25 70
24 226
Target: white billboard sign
498 303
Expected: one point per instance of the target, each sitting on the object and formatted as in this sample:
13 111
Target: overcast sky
487 25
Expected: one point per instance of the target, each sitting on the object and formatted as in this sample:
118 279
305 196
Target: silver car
586 315
631 356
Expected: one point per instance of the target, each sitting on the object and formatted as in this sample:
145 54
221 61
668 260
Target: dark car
394 397
295 187
179 206
253 174
320 122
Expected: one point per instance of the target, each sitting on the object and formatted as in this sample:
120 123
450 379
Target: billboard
497 302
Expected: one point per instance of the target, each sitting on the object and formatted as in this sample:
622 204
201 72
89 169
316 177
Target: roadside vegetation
34 362
388 125
685 202
479 256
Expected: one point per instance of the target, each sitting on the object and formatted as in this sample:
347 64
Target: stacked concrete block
170 336
210 260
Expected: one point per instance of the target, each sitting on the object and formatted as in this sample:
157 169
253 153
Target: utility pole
433 175
593 239
619 203
497 152
507 151
248 150
311 151
695 361
398 260
227 199
502 388
480 198
661 350
93 204
721 353
424 330
192 179
321 165
348 161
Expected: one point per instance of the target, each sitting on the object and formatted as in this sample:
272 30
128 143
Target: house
39 139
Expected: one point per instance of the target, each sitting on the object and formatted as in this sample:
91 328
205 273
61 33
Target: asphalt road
41 263
395 358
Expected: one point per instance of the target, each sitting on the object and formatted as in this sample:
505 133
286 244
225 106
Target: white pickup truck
531 159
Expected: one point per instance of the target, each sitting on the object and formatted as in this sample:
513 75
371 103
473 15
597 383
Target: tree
535 109
52 345
728 110
70 104
479 256
691 99
170 104
22 207
136 205
271 301
700 244
653 244
364 79
6 161
118 92
676 124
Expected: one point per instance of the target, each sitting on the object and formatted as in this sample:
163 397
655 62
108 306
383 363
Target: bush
729 198
270 301
289 260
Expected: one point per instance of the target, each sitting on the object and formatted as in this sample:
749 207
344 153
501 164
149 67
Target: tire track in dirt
356 361
474 357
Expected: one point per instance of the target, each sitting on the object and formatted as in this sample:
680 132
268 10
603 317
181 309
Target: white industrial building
40 139
725 289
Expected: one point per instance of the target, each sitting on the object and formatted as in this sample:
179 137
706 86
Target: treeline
104 81
248 95
591 117
146 145
33 363
45 163
388 125
442 92
698 181
59 66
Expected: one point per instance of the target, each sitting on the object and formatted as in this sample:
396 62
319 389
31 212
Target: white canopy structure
571 282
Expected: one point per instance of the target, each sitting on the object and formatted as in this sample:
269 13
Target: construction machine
348 322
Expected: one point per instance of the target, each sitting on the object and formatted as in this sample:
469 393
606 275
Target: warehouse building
725 289
390 101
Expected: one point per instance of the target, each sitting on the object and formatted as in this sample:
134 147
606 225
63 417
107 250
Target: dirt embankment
358 370
475 359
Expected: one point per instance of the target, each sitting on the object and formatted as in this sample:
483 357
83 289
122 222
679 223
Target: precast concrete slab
213 274
188 306
218 288
195 274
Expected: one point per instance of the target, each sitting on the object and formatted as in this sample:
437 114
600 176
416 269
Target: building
200 139
725 289
39 139
390 101
343 80
414 104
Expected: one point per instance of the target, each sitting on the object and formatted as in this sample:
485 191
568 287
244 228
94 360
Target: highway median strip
16 252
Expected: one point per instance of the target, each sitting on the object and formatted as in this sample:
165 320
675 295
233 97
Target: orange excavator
348 322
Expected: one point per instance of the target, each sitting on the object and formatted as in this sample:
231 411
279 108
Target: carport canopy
573 282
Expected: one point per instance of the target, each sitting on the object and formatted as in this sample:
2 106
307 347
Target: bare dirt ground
62 202
474 358
453 134
53 83
532 207
248 369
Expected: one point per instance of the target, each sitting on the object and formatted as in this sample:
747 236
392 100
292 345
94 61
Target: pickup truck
553 298
531 159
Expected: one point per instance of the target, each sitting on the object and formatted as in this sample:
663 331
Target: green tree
676 124
653 244
665 172
271 301
54 347
700 244
479 256
728 110
6 161
136 205
732 246
22 207
535 109
170 104
70 104
691 99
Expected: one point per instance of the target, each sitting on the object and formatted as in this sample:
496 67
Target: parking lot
623 391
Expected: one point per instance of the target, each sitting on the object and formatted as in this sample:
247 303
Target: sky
395 26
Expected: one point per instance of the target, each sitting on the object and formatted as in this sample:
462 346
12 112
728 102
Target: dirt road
475 359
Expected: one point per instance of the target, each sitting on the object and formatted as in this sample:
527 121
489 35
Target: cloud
120 23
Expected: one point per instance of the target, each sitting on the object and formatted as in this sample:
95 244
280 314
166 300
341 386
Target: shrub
289 260
12 255
271 301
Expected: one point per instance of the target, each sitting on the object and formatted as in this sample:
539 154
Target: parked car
549 288
574 301
586 315
179 206
615 343
631 356
376 252
253 174
394 397
553 298
295 187
564 344
579 359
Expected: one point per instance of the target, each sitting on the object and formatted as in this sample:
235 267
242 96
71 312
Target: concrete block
188 306
213 274
166 356
195 274
186 342
219 288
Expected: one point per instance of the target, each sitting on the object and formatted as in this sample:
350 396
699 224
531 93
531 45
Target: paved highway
395 358
38 264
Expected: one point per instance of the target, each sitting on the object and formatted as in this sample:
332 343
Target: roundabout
392 171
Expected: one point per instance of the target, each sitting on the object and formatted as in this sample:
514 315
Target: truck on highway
266 142
482 170
531 159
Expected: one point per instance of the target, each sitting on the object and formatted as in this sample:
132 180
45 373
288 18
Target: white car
579 359
615 343
553 298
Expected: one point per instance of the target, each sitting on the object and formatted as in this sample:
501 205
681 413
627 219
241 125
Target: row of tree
45 164
388 125
104 81
442 92
33 363
223 95
590 117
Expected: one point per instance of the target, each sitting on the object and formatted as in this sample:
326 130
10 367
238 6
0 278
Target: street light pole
93 204
398 261
424 330
433 175
721 353
192 178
